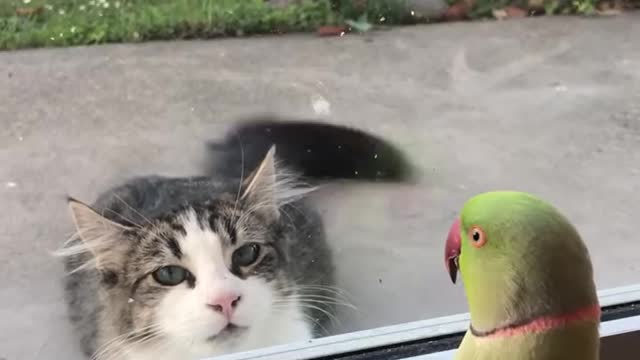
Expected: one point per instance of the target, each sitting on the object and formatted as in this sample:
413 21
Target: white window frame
396 335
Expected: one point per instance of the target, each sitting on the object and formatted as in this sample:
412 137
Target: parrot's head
518 257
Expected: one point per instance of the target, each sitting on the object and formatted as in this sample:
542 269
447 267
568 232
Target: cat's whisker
300 212
125 339
154 229
313 307
146 335
332 318
182 329
134 210
284 212
324 301
128 220
235 203
332 293
287 187
316 292
328 288
153 332
319 298
305 299
317 322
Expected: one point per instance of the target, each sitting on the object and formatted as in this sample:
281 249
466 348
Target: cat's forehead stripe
202 248
173 245
197 234
178 228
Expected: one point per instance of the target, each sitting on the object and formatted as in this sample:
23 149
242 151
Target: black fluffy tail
315 150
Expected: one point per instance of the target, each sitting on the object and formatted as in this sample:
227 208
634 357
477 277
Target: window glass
181 249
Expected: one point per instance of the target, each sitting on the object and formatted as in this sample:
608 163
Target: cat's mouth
230 331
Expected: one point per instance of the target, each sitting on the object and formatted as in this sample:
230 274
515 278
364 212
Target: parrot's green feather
575 342
533 263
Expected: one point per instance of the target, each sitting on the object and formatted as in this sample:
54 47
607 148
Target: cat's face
208 279
207 276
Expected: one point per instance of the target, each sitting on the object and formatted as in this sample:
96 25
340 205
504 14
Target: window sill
438 337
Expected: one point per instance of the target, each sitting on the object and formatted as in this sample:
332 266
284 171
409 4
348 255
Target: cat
189 268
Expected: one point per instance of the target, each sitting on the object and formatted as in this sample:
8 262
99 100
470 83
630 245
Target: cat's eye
170 275
246 255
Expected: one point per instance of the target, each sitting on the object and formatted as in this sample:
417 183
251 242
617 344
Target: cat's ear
260 187
103 238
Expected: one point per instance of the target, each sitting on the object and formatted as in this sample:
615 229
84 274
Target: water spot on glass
11 184
320 105
560 88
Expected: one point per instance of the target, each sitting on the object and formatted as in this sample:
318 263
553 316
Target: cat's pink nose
225 304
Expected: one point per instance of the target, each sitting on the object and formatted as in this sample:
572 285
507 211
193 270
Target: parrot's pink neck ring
541 324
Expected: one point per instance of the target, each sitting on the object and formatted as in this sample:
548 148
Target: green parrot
528 279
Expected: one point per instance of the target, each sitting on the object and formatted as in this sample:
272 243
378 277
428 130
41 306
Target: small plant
35 23
565 7
584 7
360 25
551 7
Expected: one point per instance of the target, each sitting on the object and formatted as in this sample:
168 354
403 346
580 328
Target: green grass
82 22
483 8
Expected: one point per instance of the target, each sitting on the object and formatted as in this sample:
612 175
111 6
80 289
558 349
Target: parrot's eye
477 236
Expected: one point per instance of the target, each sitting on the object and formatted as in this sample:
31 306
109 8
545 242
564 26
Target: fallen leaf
359 4
509 12
609 12
470 4
515 12
609 8
499 14
457 11
535 4
29 11
331 30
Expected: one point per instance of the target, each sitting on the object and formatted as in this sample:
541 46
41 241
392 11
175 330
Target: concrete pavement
546 105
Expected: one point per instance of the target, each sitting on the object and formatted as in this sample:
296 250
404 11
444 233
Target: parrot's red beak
452 250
